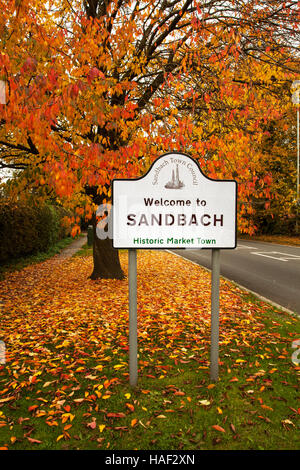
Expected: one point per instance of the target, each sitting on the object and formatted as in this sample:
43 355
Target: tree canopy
97 89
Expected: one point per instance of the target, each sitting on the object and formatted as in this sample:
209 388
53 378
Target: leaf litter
67 345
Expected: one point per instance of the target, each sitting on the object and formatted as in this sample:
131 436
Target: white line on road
284 257
247 246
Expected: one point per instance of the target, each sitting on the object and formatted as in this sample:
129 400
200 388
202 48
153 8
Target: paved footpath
73 247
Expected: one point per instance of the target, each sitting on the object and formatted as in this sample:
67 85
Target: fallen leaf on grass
264 418
115 415
204 402
218 428
34 441
232 427
92 424
130 406
3 400
286 422
266 407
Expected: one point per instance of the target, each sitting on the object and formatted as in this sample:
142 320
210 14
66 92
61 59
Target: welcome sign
174 205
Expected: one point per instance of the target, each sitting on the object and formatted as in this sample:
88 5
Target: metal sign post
296 100
132 287
215 301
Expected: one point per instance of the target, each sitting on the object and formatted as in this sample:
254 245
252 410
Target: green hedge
27 228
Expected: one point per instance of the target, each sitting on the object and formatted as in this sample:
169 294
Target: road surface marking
282 257
247 246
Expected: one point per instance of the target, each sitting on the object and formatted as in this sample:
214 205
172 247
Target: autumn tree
97 89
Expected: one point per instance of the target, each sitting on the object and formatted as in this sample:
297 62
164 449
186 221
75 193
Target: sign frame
215 280
172 247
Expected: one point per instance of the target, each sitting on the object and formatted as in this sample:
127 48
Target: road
268 269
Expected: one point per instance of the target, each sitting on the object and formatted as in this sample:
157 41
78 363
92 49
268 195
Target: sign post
174 205
132 287
296 100
215 301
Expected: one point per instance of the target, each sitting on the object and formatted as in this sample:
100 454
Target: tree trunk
106 258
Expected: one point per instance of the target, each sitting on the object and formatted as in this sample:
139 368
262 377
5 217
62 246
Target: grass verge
65 383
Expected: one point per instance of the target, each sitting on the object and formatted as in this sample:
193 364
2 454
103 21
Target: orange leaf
34 441
67 426
7 399
218 428
32 408
115 415
266 407
130 407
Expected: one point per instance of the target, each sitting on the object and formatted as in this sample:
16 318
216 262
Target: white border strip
264 299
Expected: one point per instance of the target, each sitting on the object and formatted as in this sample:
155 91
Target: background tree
97 89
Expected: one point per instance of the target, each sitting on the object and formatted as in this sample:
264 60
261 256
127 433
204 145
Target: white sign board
174 205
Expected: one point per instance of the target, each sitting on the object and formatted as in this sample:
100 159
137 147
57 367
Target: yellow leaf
204 402
127 395
13 439
101 427
287 421
59 437
66 416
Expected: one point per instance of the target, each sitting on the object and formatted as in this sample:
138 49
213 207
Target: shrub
28 228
